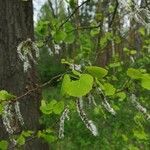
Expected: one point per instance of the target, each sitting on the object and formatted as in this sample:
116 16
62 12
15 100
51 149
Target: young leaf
121 95
4 95
146 81
96 72
1 109
58 107
21 140
3 145
79 87
94 32
27 133
70 37
59 36
134 73
66 81
109 89
47 108
141 135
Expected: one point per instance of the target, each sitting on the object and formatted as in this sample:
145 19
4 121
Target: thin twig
32 90
114 14
72 14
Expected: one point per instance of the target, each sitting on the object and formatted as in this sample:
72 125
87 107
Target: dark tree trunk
16 25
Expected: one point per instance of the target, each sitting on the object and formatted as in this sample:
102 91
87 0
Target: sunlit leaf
58 107
4 95
1 109
96 72
145 82
69 38
140 134
66 81
78 87
59 36
3 145
121 95
109 89
134 73
21 140
47 108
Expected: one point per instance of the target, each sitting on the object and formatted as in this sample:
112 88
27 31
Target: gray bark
16 25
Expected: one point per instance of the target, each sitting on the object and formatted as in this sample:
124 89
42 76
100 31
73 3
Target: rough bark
16 25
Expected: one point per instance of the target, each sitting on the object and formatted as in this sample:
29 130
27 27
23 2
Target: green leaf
47 137
94 32
145 82
104 40
58 107
3 145
111 8
142 31
26 133
109 89
132 147
66 81
41 28
96 72
1 109
134 73
59 36
70 37
76 73
79 87
47 108
68 27
4 95
133 52
116 64
99 84
141 135
21 140
121 95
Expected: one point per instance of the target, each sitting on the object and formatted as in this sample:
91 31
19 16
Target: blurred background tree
113 34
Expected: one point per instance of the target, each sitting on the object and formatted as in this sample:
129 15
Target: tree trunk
16 25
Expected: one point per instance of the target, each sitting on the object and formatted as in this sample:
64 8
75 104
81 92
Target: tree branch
70 16
114 14
32 90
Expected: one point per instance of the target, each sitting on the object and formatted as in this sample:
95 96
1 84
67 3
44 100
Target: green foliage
79 87
3 145
145 81
85 39
52 107
4 95
97 72
141 135
59 36
105 39
21 140
134 73
70 36
137 74
94 32
121 95
1 109
109 89
22 137
47 135
42 28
